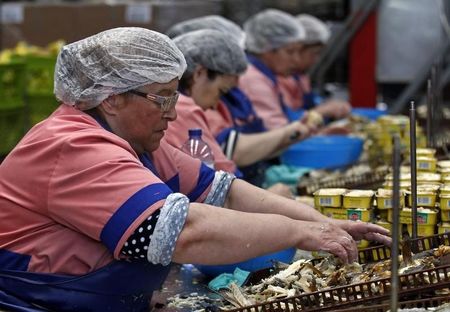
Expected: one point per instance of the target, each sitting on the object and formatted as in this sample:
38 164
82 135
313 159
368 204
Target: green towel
284 174
223 280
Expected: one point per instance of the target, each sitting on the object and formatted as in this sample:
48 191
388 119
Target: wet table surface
183 280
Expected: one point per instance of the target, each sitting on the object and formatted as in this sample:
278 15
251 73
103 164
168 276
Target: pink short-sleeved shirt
71 193
264 95
192 116
293 90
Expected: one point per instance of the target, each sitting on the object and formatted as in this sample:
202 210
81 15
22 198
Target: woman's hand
362 230
334 108
326 236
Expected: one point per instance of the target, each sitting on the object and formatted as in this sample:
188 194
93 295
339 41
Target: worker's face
142 121
207 90
283 60
308 56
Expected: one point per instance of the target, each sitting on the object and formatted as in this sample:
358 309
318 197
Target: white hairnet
316 30
213 50
113 62
271 29
216 22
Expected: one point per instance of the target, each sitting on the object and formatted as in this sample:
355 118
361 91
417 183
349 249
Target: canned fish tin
426 177
423 230
425 216
425 198
358 199
427 152
329 197
359 214
335 213
426 164
443 164
445 215
444 190
444 201
385 200
443 227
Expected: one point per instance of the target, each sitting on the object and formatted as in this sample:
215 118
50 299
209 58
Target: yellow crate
358 199
426 164
424 216
422 230
335 213
445 215
385 201
443 228
328 197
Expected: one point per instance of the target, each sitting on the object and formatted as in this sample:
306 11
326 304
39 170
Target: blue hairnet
113 62
316 30
213 50
216 22
271 29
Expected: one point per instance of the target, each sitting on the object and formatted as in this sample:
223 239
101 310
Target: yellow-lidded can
423 229
425 198
426 164
445 215
428 178
427 152
444 227
443 164
358 199
359 214
335 213
425 216
329 197
385 200
362 244
444 201
444 189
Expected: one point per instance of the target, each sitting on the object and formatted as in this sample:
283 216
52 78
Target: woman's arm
213 235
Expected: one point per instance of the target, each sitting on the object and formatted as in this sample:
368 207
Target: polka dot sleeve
137 244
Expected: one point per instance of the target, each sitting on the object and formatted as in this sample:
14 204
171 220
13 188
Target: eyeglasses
166 103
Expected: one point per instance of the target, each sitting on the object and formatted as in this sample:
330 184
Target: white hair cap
216 22
316 30
113 62
213 50
271 29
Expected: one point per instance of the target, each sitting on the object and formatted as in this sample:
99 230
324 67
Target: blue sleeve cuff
122 219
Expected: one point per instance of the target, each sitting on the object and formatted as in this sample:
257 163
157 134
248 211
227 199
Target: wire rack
423 282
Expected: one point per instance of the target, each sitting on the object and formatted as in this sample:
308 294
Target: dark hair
186 80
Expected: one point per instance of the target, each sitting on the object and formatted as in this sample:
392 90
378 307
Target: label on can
425 200
423 165
325 201
388 203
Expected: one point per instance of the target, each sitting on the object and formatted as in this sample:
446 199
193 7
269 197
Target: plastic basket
254 264
12 128
325 152
12 85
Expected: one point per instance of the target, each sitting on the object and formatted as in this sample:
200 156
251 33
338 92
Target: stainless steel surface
412 138
395 224
182 279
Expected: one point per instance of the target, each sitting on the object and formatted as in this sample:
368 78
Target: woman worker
214 63
95 205
296 89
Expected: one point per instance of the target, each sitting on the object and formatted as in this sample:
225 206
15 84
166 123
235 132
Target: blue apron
117 287
245 120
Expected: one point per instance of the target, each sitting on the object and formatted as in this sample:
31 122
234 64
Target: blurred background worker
214 63
272 42
296 89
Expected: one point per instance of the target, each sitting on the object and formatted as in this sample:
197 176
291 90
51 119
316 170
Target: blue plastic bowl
251 265
324 152
371 113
